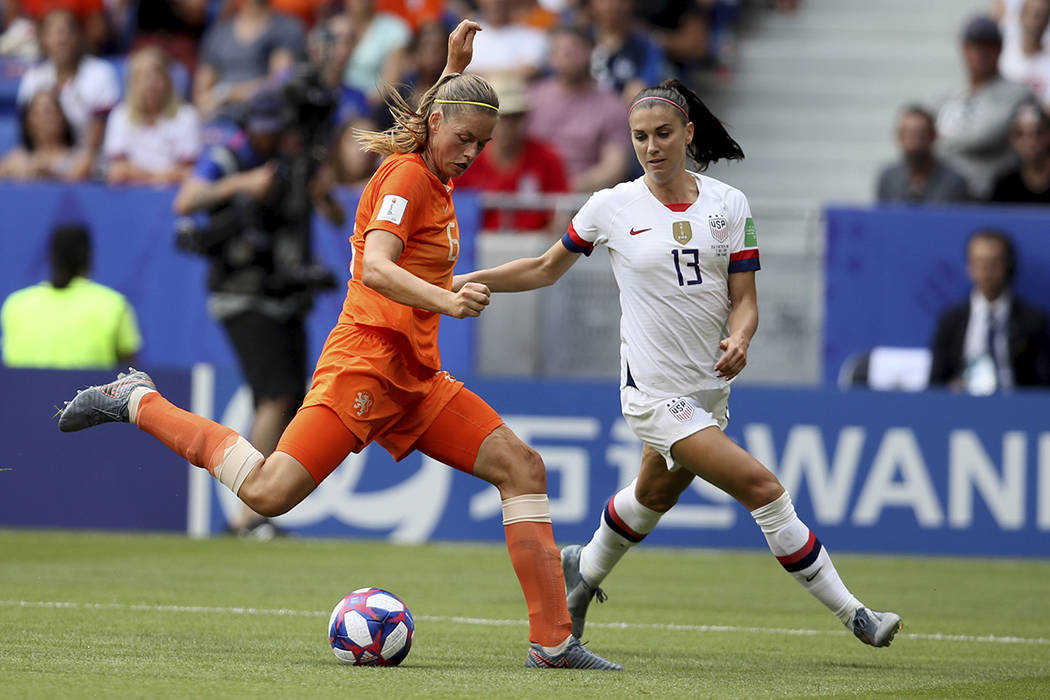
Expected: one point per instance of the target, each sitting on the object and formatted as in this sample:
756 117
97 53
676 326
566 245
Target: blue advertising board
890 271
868 471
110 477
886 472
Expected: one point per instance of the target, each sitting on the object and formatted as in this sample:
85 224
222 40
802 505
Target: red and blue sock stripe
616 523
803 558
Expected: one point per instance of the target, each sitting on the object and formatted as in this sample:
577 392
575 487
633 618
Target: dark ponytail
711 142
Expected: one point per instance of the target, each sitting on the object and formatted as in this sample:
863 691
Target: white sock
554 651
800 552
133 401
624 523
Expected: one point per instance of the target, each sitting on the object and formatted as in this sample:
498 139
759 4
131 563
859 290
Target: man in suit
994 341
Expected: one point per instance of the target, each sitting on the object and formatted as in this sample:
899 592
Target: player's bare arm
523 274
461 47
381 272
743 322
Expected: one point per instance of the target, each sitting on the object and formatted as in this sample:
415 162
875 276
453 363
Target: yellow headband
466 102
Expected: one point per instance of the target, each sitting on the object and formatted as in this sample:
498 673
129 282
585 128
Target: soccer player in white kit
684 253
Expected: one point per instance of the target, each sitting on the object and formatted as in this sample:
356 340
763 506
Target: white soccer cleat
875 628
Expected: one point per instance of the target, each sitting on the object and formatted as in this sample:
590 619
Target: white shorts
661 422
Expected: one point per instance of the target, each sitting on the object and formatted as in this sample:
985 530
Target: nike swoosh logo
636 231
813 575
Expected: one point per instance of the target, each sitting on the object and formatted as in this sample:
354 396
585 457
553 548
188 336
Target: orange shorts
366 387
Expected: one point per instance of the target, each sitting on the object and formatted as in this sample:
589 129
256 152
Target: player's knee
266 498
521 469
762 488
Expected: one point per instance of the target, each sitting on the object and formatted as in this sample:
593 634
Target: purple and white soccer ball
371 627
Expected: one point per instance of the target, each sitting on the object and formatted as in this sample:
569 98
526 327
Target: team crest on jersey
680 410
719 227
683 232
363 403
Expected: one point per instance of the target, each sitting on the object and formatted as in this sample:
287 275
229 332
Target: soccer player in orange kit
379 377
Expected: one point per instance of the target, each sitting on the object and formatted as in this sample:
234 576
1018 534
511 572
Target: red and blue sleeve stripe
744 261
574 243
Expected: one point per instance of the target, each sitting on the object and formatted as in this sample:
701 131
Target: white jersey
672 265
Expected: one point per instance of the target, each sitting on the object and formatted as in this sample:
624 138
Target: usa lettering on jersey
719 227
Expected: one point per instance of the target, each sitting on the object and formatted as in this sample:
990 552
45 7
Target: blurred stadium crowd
990 139
133 92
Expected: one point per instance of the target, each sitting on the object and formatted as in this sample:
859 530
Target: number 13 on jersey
687 266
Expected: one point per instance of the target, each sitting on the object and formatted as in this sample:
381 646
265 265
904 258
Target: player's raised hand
734 357
470 300
461 46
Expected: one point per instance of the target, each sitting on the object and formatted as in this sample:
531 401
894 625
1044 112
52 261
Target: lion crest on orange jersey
363 403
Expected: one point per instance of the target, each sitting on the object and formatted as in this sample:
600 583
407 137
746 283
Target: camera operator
248 208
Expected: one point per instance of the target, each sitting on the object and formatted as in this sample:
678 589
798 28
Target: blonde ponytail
456 91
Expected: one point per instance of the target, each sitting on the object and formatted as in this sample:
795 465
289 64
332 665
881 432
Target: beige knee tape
530 508
237 463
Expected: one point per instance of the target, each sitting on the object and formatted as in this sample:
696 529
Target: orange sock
201 441
537 563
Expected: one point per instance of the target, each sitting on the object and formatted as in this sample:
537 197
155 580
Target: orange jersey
407 200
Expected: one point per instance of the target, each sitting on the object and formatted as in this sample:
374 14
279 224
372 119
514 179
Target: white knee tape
237 463
530 508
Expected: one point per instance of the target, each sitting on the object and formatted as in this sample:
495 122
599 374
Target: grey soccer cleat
578 593
106 403
575 656
874 628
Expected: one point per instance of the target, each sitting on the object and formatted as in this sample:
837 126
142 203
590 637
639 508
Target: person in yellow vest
68 322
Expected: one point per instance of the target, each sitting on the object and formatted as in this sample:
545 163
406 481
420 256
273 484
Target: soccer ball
371 627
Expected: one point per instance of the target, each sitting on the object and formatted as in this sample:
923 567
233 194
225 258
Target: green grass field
106 616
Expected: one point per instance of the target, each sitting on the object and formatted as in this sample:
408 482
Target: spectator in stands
328 48
682 30
536 14
416 13
152 137
586 124
89 14
1030 139
68 322
47 149
516 163
506 45
174 25
87 86
240 55
919 176
624 59
309 12
994 341
972 124
379 40
424 60
1026 59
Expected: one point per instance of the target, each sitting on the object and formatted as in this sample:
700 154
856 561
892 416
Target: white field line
142 607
